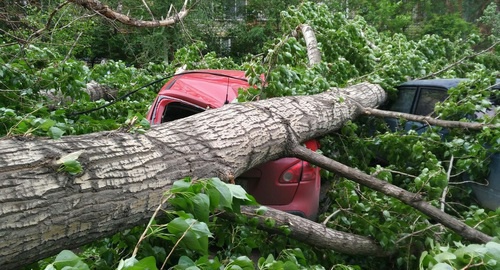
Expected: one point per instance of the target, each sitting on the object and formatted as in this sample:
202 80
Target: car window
177 110
405 100
428 99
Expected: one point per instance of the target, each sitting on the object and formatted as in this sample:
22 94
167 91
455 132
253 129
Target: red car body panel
287 184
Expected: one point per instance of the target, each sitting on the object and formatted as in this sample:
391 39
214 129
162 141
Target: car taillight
308 171
292 174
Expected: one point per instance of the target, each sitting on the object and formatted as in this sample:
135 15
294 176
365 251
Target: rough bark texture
95 91
44 210
412 199
315 234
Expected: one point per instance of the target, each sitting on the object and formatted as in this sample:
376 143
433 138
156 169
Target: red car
287 184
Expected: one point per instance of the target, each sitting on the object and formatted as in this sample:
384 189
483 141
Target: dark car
419 97
287 184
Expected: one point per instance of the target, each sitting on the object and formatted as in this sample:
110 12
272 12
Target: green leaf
445 256
67 258
55 133
442 266
242 262
184 263
177 226
238 192
181 202
73 167
48 123
222 188
194 233
126 263
201 203
288 265
214 198
181 185
50 267
493 250
148 263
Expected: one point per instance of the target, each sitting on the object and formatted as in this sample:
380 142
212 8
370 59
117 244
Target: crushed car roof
212 88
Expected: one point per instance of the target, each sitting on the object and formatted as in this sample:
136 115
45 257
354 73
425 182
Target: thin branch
445 190
176 244
484 220
49 21
18 39
331 216
143 236
169 10
392 171
149 10
72 47
417 232
469 182
460 61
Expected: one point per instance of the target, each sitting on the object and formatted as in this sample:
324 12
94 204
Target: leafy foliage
486 256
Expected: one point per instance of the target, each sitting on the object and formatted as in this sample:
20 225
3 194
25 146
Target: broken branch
106 11
414 200
428 119
313 233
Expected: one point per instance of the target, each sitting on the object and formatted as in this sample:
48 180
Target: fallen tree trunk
45 209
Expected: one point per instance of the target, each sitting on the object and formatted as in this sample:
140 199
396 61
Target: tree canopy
383 42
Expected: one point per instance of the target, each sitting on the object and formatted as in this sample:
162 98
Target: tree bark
44 209
315 234
313 53
95 91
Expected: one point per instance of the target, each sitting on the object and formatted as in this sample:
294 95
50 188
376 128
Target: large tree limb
313 53
412 199
106 11
315 234
95 90
428 120
44 209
